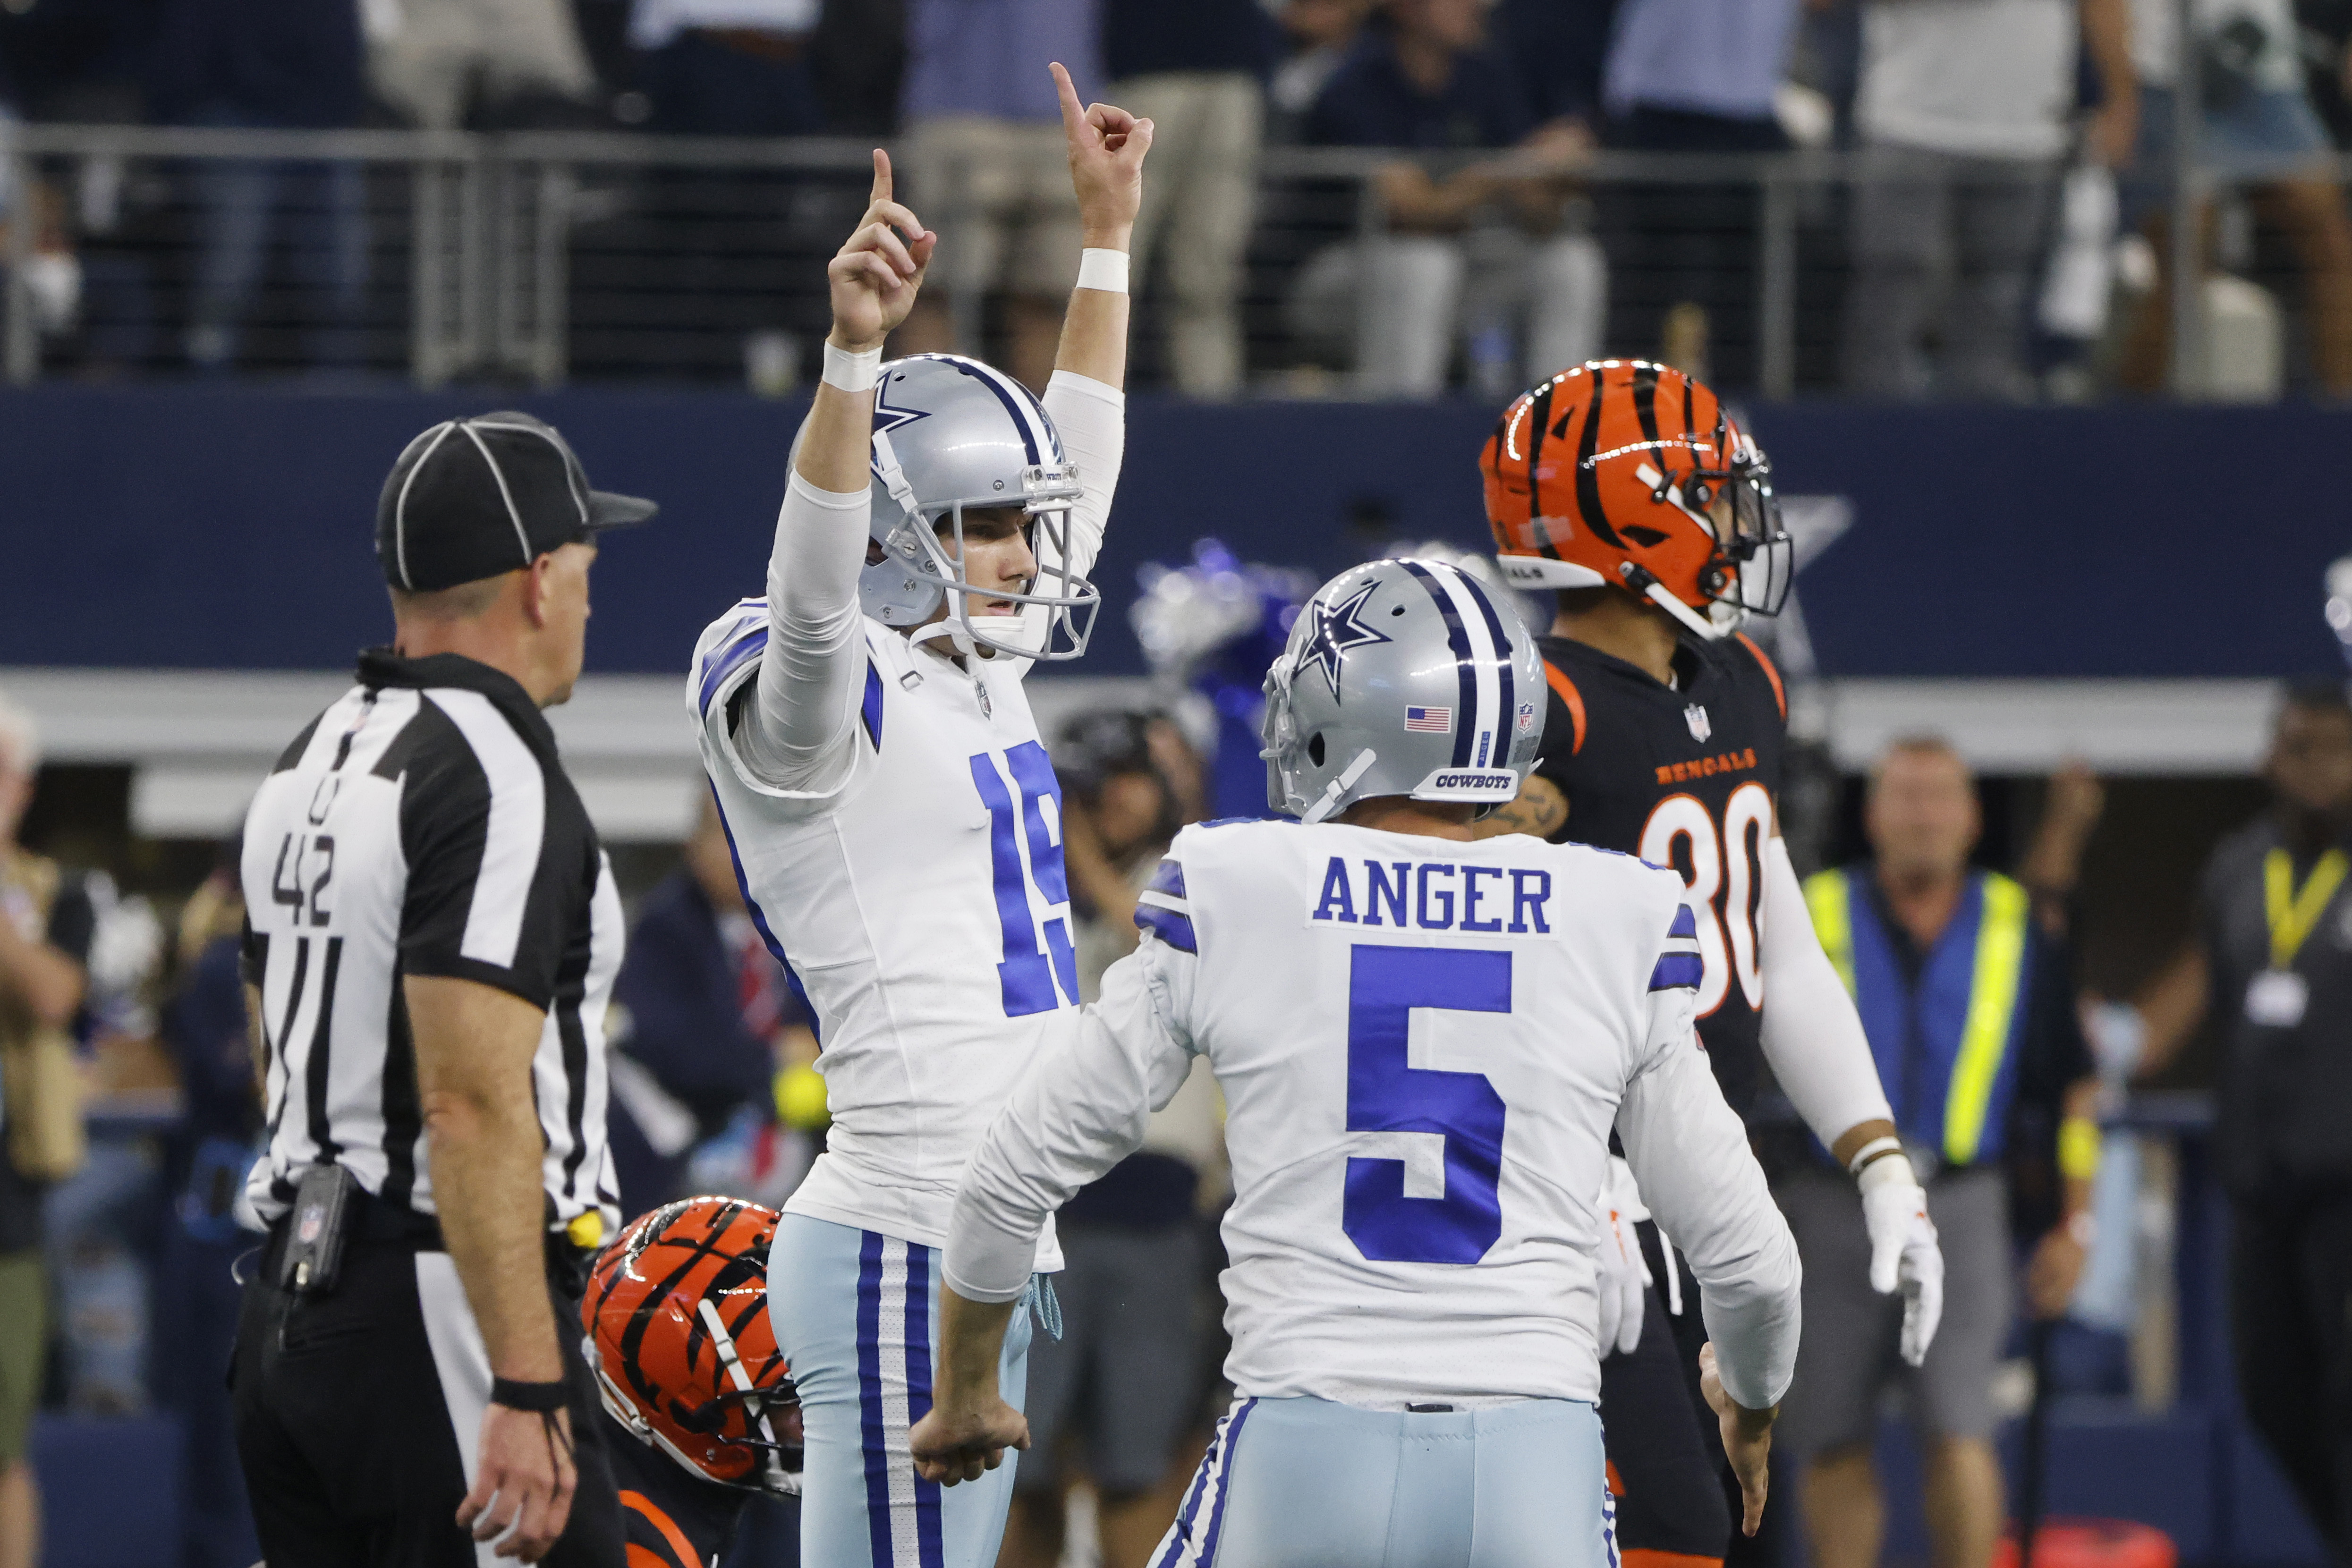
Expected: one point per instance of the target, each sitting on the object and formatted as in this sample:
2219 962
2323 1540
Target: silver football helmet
1401 677
950 434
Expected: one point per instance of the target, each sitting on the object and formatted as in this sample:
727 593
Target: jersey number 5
1386 1094
1028 975
1725 881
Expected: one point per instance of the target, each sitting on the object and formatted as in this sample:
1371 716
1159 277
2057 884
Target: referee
432 931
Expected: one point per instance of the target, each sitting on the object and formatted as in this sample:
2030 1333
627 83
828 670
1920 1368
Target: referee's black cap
476 498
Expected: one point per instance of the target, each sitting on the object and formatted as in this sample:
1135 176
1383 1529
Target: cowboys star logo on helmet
1622 473
1337 630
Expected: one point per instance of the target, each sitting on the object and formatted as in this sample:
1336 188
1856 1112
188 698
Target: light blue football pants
1306 1484
856 1315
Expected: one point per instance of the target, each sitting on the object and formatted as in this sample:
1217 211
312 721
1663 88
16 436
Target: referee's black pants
2291 1294
358 1413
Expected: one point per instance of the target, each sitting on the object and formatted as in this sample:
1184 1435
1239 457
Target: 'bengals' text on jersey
1683 776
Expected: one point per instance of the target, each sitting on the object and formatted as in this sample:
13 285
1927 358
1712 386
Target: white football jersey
919 905
1424 1044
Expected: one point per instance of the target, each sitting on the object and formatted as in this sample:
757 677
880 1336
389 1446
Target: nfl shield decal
1695 717
1527 717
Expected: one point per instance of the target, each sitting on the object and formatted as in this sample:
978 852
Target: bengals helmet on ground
677 1320
1624 472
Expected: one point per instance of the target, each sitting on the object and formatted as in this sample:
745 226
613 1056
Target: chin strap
1330 799
724 1343
1645 584
894 478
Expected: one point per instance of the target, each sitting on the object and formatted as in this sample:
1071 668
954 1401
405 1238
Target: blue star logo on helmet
1337 630
889 416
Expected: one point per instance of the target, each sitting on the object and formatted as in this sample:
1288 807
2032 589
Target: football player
1627 489
895 819
676 1323
1423 1039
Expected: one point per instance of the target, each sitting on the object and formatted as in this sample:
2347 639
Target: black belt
370 1220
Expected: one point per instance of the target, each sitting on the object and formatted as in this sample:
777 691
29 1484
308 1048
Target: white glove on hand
1903 1249
1625 1274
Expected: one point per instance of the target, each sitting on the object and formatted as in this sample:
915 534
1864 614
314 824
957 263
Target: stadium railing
542 258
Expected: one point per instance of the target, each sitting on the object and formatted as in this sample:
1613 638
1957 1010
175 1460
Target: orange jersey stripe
670 1532
1559 681
1780 693
1651 1557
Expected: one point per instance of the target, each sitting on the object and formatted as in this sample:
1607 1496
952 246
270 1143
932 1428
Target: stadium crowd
2004 235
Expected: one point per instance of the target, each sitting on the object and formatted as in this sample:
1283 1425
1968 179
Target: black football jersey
1683 776
672 1518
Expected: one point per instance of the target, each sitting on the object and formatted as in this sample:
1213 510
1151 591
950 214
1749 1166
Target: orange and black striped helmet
676 1319
1627 472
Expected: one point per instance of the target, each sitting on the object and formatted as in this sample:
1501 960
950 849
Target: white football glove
1903 1251
1625 1274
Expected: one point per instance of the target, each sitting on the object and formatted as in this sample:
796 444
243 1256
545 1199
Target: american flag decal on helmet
1428 720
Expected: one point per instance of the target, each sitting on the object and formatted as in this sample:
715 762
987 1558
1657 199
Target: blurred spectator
2325 29
2257 130
1691 75
1194 70
1969 1009
46 928
987 168
206 1029
1119 809
1964 113
2271 965
1557 49
1319 33
860 60
1196 74
443 64
270 64
728 68
709 1025
1115 1397
1458 260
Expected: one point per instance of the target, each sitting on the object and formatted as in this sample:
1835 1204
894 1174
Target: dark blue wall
230 527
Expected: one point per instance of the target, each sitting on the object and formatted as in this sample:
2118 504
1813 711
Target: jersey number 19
1028 975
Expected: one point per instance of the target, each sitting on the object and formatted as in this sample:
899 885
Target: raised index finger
881 176
1072 115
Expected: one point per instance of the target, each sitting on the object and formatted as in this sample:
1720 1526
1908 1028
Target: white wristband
852 372
1871 1150
1103 269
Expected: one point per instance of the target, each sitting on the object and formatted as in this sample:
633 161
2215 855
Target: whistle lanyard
2292 915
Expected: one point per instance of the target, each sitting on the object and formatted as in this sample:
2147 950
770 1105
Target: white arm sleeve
1079 1109
1706 1191
1091 417
795 735
1812 1036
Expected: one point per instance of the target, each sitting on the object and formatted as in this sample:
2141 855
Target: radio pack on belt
315 1229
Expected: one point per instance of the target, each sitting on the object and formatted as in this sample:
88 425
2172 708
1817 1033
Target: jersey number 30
1386 1094
1725 883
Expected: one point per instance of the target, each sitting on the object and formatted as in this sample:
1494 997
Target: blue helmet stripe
1506 729
1466 666
1027 417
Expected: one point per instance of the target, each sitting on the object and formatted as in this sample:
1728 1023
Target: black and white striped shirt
424 825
